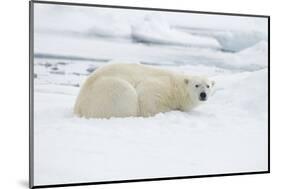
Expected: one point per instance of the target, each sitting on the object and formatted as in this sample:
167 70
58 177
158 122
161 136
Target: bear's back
133 73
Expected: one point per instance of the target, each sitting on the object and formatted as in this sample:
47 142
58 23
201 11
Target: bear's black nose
203 96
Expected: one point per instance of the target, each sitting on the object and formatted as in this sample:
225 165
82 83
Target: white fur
123 90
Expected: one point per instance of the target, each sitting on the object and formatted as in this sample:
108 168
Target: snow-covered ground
227 134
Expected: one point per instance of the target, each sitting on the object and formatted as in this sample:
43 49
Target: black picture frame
31 94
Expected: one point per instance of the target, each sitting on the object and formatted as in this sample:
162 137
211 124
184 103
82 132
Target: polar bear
126 90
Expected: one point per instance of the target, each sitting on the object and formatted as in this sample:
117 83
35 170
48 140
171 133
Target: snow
230 130
227 134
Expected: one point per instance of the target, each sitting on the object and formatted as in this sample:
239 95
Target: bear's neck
181 97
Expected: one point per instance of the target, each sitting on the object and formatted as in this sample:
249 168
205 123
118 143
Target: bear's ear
213 83
186 81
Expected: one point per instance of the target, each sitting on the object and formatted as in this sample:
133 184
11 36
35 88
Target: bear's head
199 88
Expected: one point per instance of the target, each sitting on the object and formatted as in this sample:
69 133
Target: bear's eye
196 86
208 86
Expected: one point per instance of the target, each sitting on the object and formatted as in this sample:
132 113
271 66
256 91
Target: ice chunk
156 31
238 40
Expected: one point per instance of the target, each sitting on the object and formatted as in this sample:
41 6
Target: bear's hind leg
109 97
